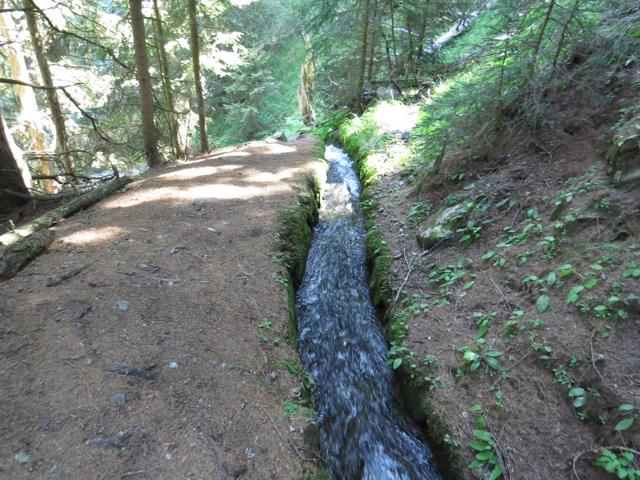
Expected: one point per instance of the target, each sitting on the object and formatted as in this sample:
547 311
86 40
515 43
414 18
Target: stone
118 398
279 136
444 224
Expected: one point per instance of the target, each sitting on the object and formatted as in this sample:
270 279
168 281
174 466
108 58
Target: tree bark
565 29
17 248
166 81
539 39
62 144
49 218
14 174
422 30
363 54
373 42
307 73
26 97
144 82
195 55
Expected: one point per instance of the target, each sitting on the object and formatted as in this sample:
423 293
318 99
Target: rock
623 162
296 136
111 441
118 398
22 457
239 471
122 305
311 435
443 225
279 136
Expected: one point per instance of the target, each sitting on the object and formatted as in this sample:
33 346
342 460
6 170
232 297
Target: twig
504 466
132 473
593 359
275 427
406 279
499 379
504 298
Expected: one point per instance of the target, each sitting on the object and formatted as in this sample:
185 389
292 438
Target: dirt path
177 274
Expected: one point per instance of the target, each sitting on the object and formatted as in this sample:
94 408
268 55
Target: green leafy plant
627 409
622 464
484 447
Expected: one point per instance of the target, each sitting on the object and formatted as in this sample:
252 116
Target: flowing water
364 433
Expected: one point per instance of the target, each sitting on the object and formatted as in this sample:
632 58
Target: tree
62 146
195 56
27 99
144 83
166 81
15 174
363 54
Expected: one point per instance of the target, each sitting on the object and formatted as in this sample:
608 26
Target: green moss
293 241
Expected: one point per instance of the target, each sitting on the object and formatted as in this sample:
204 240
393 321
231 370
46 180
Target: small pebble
118 398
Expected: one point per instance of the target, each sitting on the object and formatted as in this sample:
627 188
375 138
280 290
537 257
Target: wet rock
443 224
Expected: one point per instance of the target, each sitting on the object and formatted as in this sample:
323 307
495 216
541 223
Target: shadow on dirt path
148 363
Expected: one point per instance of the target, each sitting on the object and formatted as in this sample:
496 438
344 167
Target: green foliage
622 464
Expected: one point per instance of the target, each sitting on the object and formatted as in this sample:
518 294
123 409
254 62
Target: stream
364 432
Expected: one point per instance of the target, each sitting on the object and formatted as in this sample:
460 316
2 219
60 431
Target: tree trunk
15 174
565 29
363 54
539 39
17 248
49 218
26 96
373 42
144 82
307 73
166 82
195 55
422 30
62 144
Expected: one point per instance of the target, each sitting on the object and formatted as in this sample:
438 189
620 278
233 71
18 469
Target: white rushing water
363 430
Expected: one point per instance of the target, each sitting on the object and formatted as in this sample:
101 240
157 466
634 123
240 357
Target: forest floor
147 342
523 329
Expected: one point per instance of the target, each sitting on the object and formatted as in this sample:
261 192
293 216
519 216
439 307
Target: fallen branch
18 247
49 218
16 256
